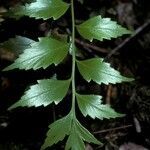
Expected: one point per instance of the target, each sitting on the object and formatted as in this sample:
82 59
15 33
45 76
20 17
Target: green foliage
17 44
44 9
44 93
100 72
78 135
41 54
72 128
58 130
49 51
101 28
91 105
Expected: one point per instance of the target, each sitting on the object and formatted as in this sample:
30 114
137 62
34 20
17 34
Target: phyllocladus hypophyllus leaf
57 131
44 93
100 72
17 44
41 54
91 105
101 28
44 9
78 135
49 51
69 126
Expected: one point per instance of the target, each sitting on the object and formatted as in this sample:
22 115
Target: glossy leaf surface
69 126
101 28
41 54
44 9
17 44
91 105
77 137
44 93
100 72
57 132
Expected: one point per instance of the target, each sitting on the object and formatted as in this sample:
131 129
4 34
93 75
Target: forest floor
25 128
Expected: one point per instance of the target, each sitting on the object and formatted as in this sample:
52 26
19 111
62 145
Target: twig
112 129
93 47
82 43
108 96
127 40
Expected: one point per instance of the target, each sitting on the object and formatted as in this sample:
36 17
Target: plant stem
73 57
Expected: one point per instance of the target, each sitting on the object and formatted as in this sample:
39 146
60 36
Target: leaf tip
5 69
43 147
125 79
11 107
120 115
128 32
131 32
10 67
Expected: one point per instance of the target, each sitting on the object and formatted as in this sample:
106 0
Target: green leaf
101 28
100 72
44 93
77 137
57 132
70 126
44 9
91 105
41 54
17 44
74 141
